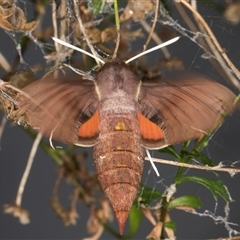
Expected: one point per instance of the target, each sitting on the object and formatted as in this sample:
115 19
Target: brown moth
121 116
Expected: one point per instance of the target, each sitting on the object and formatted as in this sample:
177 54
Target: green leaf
170 150
202 143
195 154
188 201
166 6
97 6
171 225
135 218
186 157
147 195
216 187
185 145
204 159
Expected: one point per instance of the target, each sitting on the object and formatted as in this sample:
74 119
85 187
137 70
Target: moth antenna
152 163
77 49
153 49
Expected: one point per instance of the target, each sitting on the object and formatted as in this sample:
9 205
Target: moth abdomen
119 160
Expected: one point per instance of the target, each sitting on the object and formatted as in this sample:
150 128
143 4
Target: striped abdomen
119 159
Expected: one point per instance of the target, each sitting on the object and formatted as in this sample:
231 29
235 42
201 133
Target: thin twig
219 168
215 41
185 17
57 184
54 22
27 169
153 26
4 63
2 126
63 13
55 33
75 199
208 44
117 23
84 32
156 38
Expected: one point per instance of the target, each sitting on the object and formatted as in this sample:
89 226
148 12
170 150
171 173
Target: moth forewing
57 110
185 109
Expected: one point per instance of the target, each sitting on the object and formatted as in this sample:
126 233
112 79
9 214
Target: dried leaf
172 64
21 79
93 223
45 33
12 18
68 216
156 231
104 213
131 35
94 35
108 34
17 212
97 235
99 216
7 95
149 216
169 231
137 10
39 7
232 13
60 56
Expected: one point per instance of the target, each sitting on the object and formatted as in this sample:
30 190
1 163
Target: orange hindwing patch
148 129
90 128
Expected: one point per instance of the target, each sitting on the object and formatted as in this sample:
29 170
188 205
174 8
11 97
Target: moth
120 117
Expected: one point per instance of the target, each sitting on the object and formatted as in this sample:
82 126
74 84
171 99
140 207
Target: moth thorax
118 105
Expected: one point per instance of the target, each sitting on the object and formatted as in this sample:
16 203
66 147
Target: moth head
116 75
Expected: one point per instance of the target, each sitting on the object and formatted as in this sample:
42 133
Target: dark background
223 147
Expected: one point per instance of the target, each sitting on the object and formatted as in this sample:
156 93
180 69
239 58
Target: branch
218 168
84 32
153 26
215 42
27 170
